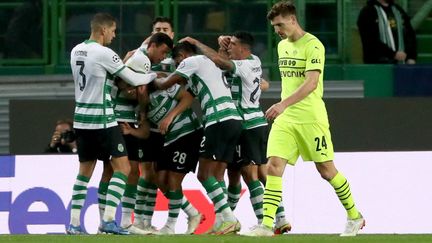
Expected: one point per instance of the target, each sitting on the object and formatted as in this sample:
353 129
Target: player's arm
264 85
185 101
308 86
221 61
135 79
174 78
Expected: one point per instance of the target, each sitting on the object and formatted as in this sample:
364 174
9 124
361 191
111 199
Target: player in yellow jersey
300 125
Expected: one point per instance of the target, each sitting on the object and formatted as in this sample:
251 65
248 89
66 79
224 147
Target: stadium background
371 107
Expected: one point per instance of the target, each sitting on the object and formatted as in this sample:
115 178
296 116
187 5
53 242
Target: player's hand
190 40
224 41
128 55
164 124
126 128
274 111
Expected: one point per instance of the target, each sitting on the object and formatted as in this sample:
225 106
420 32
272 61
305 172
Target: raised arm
221 61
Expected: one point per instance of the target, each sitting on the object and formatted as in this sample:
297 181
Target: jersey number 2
252 98
83 77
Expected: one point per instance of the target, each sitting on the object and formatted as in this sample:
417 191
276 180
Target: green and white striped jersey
161 103
93 69
245 90
209 84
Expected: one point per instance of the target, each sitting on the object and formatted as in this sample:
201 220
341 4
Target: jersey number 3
83 77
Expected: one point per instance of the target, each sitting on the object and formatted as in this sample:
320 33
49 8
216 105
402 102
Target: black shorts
152 147
93 144
220 139
251 148
135 153
182 155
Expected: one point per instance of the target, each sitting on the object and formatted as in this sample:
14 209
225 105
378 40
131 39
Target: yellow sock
272 198
343 191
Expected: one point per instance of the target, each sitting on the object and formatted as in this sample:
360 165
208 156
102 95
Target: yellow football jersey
295 59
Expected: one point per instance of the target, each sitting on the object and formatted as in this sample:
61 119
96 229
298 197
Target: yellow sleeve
315 56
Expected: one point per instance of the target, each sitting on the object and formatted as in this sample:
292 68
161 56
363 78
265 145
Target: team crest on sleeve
120 147
146 67
116 58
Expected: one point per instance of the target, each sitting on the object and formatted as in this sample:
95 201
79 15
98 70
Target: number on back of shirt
82 82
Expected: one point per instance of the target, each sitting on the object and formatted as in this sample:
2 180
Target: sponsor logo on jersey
285 62
316 61
289 74
140 153
120 147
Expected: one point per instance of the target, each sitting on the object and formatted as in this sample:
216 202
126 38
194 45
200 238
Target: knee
327 174
274 169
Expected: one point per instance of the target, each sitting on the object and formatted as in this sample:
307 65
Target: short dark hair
101 19
245 38
162 19
283 8
161 38
183 47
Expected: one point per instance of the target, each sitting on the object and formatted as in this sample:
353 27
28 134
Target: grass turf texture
417 238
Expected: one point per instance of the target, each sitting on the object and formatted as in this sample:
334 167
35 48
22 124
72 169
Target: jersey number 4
82 84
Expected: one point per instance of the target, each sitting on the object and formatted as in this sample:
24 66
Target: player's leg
234 186
114 144
180 158
147 182
337 180
87 155
250 176
175 195
129 196
107 173
79 194
282 225
318 147
281 149
219 147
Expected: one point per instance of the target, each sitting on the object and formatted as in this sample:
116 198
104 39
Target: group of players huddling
135 115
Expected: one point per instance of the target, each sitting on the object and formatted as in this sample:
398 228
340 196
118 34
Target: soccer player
300 125
162 25
159 46
98 134
170 111
222 125
244 74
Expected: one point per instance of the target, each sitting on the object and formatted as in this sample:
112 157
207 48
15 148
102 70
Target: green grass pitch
384 238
